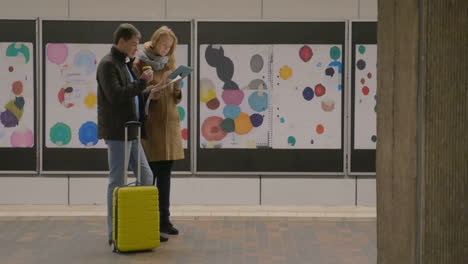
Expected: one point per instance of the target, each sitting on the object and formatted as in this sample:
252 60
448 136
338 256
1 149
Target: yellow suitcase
135 213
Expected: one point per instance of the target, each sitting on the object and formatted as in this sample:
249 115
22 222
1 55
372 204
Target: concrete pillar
422 124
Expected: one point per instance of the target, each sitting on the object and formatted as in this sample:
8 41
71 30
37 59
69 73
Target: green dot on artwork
181 113
362 49
291 140
60 134
335 53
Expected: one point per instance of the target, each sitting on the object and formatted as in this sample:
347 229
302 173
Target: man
118 103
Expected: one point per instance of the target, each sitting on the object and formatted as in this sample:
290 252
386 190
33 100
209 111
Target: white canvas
181 56
16 95
72 67
365 97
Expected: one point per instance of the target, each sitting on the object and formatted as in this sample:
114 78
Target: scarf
156 62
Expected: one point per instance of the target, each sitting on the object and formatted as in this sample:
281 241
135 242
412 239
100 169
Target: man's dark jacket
116 96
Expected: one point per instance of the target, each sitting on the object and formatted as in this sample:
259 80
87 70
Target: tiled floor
199 210
203 239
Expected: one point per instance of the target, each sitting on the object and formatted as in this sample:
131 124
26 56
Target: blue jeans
115 154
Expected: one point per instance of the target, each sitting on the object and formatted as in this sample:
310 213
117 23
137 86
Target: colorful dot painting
88 134
362 49
285 72
22 138
184 134
308 93
181 111
365 89
258 101
253 82
17 49
60 134
86 60
320 129
256 120
243 124
16 95
231 111
320 90
335 53
211 129
56 53
90 100
305 53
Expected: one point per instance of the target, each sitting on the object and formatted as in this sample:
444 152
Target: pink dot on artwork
184 133
305 53
369 75
211 129
233 97
365 90
11 69
320 129
57 53
22 138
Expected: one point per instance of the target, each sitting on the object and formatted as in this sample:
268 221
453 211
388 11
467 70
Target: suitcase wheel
114 247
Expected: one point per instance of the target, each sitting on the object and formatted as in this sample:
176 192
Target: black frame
362 160
21 159
92 31
272 160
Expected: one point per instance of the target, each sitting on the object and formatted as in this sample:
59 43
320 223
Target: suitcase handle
127 126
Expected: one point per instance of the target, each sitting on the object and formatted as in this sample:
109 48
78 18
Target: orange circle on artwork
320 129
243 124
17 87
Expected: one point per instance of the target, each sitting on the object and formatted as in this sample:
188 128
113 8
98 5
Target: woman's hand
155 92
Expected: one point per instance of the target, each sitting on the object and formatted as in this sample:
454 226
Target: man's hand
147 75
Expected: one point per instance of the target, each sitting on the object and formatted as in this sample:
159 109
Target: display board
71 52
18 95
270 96
363 97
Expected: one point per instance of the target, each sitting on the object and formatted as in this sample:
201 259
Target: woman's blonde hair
161 32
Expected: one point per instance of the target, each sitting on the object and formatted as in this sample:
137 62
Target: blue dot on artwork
258 102
375 97
340 87
311 141
231 111
308 93
282 120
182 84
319 64
291 141
374 138
256 120
336 64
88 134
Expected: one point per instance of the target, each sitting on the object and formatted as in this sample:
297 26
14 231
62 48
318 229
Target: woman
163 144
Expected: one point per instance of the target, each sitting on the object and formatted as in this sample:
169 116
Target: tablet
182 71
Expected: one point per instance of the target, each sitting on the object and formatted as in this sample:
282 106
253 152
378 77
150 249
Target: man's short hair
125 31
